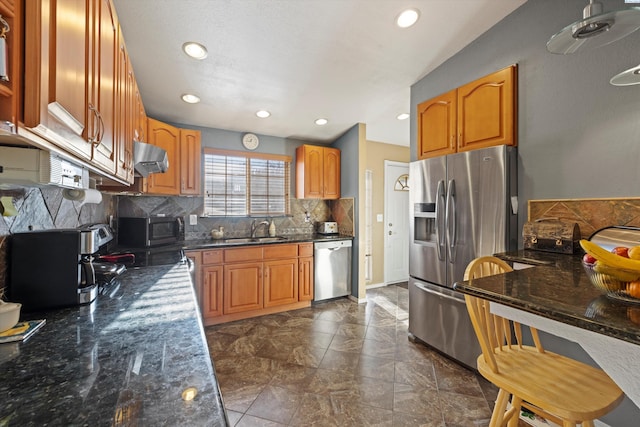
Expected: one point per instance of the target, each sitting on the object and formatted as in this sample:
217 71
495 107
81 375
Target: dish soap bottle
272 229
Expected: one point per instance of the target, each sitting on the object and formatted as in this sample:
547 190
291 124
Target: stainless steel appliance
144 232
463 206
332 269
54 268
328 227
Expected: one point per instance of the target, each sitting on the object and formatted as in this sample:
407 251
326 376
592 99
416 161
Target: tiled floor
340 363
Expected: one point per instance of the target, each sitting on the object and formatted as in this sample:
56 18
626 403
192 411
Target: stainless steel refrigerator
463 205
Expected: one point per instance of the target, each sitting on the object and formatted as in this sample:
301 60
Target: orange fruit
633 289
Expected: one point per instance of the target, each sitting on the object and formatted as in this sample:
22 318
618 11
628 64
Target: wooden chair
557 388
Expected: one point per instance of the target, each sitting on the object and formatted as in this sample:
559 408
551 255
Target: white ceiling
344 60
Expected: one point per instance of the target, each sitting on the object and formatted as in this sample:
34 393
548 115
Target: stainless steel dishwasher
332 266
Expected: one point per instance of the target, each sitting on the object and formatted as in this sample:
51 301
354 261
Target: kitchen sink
245 240
253 240
268 239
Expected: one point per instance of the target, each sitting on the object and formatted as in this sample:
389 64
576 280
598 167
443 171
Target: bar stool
555 387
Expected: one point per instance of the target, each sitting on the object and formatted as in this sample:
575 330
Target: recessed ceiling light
407 18
190 99
402 116
195 50
322 122
263 114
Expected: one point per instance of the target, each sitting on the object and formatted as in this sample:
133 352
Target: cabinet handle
96 133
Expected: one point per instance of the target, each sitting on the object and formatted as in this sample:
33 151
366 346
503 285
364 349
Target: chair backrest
493 331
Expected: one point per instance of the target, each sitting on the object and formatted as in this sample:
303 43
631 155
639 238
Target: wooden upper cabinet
487 111
57 46
317 172
166 137
190 161
480 114
10 88
124 113
101 96
437 126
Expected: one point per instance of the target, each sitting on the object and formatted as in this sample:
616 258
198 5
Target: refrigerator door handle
450 219
436 293
440 203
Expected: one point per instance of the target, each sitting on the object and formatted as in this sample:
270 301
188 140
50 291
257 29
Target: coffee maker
54 268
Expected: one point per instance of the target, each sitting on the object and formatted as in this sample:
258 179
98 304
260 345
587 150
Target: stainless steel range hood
148 159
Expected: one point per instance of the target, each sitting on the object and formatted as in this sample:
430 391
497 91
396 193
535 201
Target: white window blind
238 184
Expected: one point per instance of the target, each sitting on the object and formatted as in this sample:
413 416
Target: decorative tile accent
343 213
590 214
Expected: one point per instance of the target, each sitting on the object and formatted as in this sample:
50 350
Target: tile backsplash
43 209
302 210
590 214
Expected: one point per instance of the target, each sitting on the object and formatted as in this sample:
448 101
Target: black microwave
144 232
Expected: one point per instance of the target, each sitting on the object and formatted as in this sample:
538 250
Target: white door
396 225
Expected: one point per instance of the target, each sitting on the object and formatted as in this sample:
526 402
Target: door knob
390 232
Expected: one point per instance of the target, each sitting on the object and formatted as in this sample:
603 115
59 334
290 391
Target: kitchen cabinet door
309 172
10 90
104 42
190 158
487 111
166 137
437 126
211 291
124 144
280 282
305 279
56 84
242 286
331 173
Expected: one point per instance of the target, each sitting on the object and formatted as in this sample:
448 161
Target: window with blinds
245 184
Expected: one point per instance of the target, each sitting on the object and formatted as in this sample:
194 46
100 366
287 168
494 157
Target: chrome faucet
254 227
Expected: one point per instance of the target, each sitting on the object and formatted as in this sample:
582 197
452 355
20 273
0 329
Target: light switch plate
193 219
379 218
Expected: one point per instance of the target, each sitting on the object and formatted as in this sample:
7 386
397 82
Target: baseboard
376 285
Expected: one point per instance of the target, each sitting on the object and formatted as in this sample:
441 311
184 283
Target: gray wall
349 187
578 136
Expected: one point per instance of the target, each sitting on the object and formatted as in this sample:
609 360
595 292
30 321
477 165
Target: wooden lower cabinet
242 282
242 287
280 282
211 291
305 279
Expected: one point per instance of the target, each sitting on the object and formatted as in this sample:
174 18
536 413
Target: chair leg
588 423
567 423
516 404
499 409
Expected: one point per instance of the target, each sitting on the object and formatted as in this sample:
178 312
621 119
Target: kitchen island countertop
125 359
558 288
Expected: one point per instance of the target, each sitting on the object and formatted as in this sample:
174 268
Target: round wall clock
250 141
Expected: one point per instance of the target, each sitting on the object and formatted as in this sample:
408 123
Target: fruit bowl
613 286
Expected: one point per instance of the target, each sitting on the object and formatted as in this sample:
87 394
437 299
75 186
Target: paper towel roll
83 196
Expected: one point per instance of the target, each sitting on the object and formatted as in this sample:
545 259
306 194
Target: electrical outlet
193 219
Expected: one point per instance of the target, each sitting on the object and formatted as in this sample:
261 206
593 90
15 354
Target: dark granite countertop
123 360
241 241
558 288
